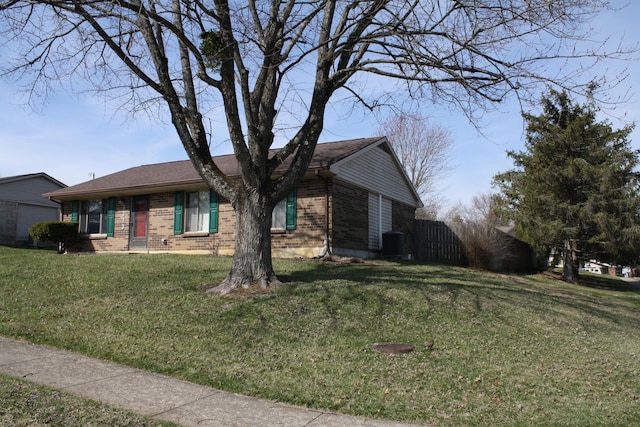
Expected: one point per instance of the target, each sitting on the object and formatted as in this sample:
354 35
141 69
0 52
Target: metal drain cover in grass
392 347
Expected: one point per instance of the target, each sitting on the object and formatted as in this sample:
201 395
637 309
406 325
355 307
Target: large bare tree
424 150
256 57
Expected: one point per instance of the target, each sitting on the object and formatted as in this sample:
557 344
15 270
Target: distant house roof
30 176
182 174
508 229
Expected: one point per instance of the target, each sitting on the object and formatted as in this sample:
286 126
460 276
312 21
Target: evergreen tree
575 187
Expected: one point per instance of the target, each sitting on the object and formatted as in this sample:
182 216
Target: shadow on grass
597 281
609 284
467 291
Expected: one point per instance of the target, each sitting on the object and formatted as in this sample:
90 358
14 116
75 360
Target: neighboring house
597 267
593 266
353 192
22 205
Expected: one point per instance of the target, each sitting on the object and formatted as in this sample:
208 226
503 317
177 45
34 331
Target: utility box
393 244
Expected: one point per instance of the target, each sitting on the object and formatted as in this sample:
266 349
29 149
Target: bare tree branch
469 53
423 149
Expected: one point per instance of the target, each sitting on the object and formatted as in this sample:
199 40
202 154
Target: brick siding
350 228
305 241
8 221
348 224
161 213
308 237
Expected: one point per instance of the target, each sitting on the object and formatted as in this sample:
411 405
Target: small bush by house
59 232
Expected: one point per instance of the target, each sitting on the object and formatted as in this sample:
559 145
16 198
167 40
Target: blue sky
74 136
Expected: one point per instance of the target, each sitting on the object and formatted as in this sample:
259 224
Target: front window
93 217
279 216
197 211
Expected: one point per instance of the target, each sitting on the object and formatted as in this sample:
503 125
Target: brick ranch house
353 192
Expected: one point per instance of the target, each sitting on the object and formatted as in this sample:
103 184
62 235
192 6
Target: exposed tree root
234 283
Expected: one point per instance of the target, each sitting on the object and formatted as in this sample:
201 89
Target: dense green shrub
55 231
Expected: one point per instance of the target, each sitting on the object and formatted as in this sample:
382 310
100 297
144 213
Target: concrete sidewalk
155 395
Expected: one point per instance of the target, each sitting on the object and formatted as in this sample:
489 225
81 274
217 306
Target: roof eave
125 191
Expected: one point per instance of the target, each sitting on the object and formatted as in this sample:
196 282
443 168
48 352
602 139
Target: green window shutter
75 208
111 215
213 212
292 202
177 212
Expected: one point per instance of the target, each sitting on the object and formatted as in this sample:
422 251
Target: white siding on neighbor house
22 204
380 219
31 214
28 190
376 170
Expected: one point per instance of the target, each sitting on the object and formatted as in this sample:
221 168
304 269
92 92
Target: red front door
139 223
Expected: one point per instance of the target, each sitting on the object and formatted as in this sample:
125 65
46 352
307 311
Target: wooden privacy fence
486 247
436 242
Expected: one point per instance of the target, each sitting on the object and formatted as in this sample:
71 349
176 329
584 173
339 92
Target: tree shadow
465 290
602 282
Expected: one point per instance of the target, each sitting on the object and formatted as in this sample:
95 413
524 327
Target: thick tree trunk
570 261
252 254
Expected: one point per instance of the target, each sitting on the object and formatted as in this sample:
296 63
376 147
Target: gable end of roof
31 176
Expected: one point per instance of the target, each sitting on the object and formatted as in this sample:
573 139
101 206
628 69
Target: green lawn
509 350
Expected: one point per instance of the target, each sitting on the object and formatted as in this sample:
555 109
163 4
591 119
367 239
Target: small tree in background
574 187
424 150
62 233
485 246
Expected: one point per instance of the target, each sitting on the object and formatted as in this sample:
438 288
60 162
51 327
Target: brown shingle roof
182 174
